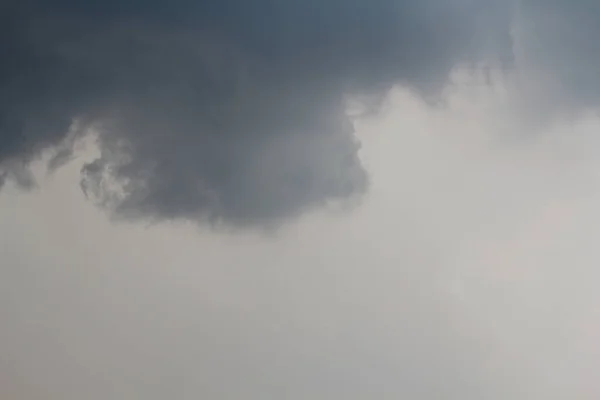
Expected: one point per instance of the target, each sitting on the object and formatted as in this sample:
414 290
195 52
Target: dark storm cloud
229 111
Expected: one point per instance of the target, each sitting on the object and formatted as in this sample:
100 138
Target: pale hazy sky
468 272
464 268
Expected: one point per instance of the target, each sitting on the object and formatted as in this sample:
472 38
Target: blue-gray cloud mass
227 111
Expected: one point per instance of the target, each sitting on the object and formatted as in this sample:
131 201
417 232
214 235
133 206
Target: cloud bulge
229 112
234 113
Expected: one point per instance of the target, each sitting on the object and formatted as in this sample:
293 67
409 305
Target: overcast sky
191 209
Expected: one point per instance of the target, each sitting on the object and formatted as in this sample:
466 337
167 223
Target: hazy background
468 272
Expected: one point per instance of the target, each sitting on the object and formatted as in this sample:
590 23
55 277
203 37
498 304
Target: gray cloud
556 55
561 37
223 111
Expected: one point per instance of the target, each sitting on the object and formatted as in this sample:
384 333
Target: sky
299 200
